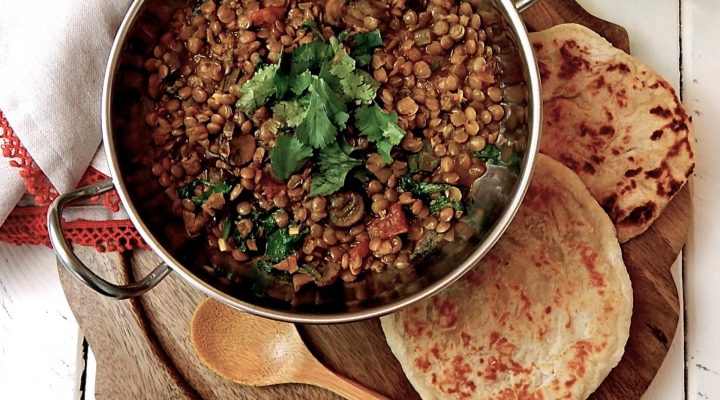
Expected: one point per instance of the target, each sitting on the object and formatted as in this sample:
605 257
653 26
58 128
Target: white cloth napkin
52 61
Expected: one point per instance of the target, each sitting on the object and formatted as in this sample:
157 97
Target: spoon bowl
256 351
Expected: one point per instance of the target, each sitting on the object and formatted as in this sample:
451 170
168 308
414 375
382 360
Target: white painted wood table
41 348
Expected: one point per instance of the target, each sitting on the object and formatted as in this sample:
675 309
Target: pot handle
522 5
76 267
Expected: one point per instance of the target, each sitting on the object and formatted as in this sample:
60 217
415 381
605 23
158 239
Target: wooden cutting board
143 348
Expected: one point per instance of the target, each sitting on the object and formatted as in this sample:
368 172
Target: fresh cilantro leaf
282 244
365 45
372 119
281 80
291 113
384 149
310 56
345 146
257 90
342 65
300 83
379 127
335 45
334 166
360 86
332 102
316 130
356 85
288 156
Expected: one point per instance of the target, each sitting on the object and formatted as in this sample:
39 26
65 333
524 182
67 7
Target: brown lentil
436 71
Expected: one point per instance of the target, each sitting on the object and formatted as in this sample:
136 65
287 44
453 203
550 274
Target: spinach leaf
491 154
443 202
220 188
282 244
421 189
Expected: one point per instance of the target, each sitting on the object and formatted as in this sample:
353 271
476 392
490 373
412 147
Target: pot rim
527 56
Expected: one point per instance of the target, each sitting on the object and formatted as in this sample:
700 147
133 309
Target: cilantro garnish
291 113
333 103
317 130
288 156
316 88
257 90
309 56
300 83
365 44
380 128
334 166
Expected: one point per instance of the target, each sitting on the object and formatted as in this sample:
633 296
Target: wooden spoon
255 351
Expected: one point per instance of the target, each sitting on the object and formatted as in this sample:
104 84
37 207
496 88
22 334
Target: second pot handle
522 5
77 267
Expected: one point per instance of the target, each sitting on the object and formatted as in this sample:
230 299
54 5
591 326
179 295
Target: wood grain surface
143 348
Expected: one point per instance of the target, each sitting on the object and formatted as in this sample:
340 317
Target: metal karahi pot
499 193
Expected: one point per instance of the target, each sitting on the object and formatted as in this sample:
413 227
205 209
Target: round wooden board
143 348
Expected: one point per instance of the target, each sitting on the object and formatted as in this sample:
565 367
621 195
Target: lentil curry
312 145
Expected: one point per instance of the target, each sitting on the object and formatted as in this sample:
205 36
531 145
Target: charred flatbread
545 315
615 122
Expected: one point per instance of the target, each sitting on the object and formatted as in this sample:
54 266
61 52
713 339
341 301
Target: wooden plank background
41 349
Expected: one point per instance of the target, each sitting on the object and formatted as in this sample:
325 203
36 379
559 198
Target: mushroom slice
346 209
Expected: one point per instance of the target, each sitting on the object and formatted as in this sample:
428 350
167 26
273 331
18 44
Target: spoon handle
344 387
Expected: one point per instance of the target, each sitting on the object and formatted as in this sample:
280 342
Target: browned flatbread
545 315
615 122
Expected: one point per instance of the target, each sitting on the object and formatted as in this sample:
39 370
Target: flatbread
615 122
545 315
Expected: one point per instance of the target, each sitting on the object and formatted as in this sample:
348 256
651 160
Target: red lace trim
26 225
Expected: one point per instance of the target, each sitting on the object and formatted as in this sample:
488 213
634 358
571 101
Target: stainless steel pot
140 28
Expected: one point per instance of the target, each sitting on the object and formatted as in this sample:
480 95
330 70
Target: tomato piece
394 223
267 15
361 250
270 188
289 264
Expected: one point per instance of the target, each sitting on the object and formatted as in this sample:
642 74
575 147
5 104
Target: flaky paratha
545 315
615 122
